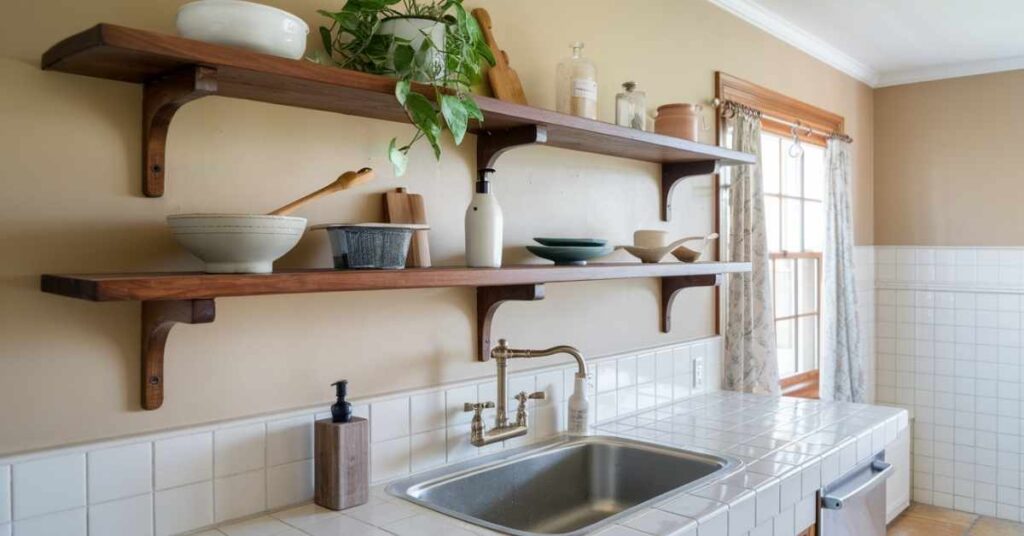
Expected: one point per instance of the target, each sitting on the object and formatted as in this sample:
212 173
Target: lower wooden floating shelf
188 297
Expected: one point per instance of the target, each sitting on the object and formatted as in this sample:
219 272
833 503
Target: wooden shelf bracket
158 317
672 173
490 144
161 98
488 299
670 286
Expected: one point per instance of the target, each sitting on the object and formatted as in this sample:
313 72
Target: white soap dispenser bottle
579 407
483 226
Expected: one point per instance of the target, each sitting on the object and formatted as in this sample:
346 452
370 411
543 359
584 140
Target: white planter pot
416 30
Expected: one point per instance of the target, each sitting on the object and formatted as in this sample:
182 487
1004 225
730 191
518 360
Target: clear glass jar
631 107
576 90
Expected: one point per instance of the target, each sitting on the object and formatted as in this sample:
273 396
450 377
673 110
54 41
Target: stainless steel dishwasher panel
854 505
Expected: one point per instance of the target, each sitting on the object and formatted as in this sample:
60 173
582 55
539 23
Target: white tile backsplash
240 495
183 460
119 472
239 449
289 440
133 515
183 509
184 480
48 485
66 523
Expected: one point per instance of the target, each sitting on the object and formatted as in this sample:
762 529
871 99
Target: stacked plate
570 251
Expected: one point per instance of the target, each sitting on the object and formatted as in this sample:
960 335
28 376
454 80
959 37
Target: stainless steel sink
567 486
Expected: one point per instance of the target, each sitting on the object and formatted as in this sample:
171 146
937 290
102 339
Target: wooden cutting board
504 80
402 207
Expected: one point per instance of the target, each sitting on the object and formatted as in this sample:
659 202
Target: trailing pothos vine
354 41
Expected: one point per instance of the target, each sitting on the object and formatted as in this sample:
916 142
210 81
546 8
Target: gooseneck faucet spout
502 429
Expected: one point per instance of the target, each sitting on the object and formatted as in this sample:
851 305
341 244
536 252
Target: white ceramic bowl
244 24
237 244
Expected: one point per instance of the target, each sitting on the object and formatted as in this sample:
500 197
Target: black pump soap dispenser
342 456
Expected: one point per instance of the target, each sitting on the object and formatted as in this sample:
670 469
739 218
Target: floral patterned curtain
842 374
751 364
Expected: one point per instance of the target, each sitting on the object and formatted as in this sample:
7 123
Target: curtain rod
727 106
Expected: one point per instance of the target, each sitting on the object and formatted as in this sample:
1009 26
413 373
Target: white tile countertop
791 447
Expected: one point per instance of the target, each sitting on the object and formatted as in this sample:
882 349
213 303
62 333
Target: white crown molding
790 33
955 70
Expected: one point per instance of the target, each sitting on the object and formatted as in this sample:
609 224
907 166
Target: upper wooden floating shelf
195 285
176 70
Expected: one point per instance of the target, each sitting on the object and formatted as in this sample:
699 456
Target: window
795 220
794 210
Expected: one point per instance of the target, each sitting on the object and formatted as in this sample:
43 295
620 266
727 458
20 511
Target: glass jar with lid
576 79
631 107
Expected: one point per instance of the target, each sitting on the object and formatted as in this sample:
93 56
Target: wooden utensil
343 182
402 207
504 80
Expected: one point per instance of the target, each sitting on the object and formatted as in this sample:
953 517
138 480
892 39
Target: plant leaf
455 115
423 115
403 55
472 109
402 91
399 158
325 36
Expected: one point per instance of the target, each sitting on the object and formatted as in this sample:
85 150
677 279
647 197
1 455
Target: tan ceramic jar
679 120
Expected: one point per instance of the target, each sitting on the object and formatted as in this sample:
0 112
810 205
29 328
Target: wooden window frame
776 106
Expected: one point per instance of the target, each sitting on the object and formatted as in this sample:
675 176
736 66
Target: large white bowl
232 244
244 24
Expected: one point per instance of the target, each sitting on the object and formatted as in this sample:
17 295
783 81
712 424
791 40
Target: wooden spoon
343 182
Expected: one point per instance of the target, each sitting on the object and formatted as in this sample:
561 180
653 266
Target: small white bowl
237 244
244 24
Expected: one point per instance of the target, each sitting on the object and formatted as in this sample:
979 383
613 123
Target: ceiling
892 42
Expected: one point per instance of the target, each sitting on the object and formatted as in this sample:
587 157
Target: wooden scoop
343 182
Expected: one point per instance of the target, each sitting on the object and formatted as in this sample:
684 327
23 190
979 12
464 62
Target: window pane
791 172
807 290
785 287
770 163
807 352
772 223
792 225
784 339
814 226
814 171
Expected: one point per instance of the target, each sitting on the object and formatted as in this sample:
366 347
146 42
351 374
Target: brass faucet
502 429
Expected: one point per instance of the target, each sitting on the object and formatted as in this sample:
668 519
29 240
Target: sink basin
567 486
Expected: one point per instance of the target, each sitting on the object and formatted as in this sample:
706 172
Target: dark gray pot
369 247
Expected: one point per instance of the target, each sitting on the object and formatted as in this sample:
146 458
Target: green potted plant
430 41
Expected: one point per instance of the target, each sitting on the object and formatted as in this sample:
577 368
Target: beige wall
948 162
69 148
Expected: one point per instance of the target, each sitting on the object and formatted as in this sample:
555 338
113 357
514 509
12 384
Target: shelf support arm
161 98
488 299
670 286
674 172
490 144
158 317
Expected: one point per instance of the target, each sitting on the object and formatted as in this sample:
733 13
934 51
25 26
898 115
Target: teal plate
572 242
572 255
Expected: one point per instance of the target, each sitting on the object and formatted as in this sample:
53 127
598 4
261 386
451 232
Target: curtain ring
795 150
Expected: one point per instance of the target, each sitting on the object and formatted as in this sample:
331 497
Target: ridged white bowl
244 24
237 244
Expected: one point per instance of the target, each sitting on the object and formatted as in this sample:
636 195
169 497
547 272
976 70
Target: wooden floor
924 520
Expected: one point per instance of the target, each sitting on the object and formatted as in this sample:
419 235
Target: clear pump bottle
576 80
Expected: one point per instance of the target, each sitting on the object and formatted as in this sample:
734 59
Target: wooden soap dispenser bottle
342 450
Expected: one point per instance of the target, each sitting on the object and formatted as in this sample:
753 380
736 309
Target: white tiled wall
181 481
949 336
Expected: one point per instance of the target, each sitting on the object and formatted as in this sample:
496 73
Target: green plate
572 242
573 255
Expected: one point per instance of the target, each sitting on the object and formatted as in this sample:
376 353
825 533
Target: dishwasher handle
881 470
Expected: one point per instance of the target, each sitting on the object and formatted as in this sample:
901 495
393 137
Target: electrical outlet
698 373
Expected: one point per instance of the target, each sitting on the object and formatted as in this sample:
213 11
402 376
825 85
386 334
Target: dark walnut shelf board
195 285
141 56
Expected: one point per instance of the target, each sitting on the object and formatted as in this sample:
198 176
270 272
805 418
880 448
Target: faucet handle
478 407
522 397
538 395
